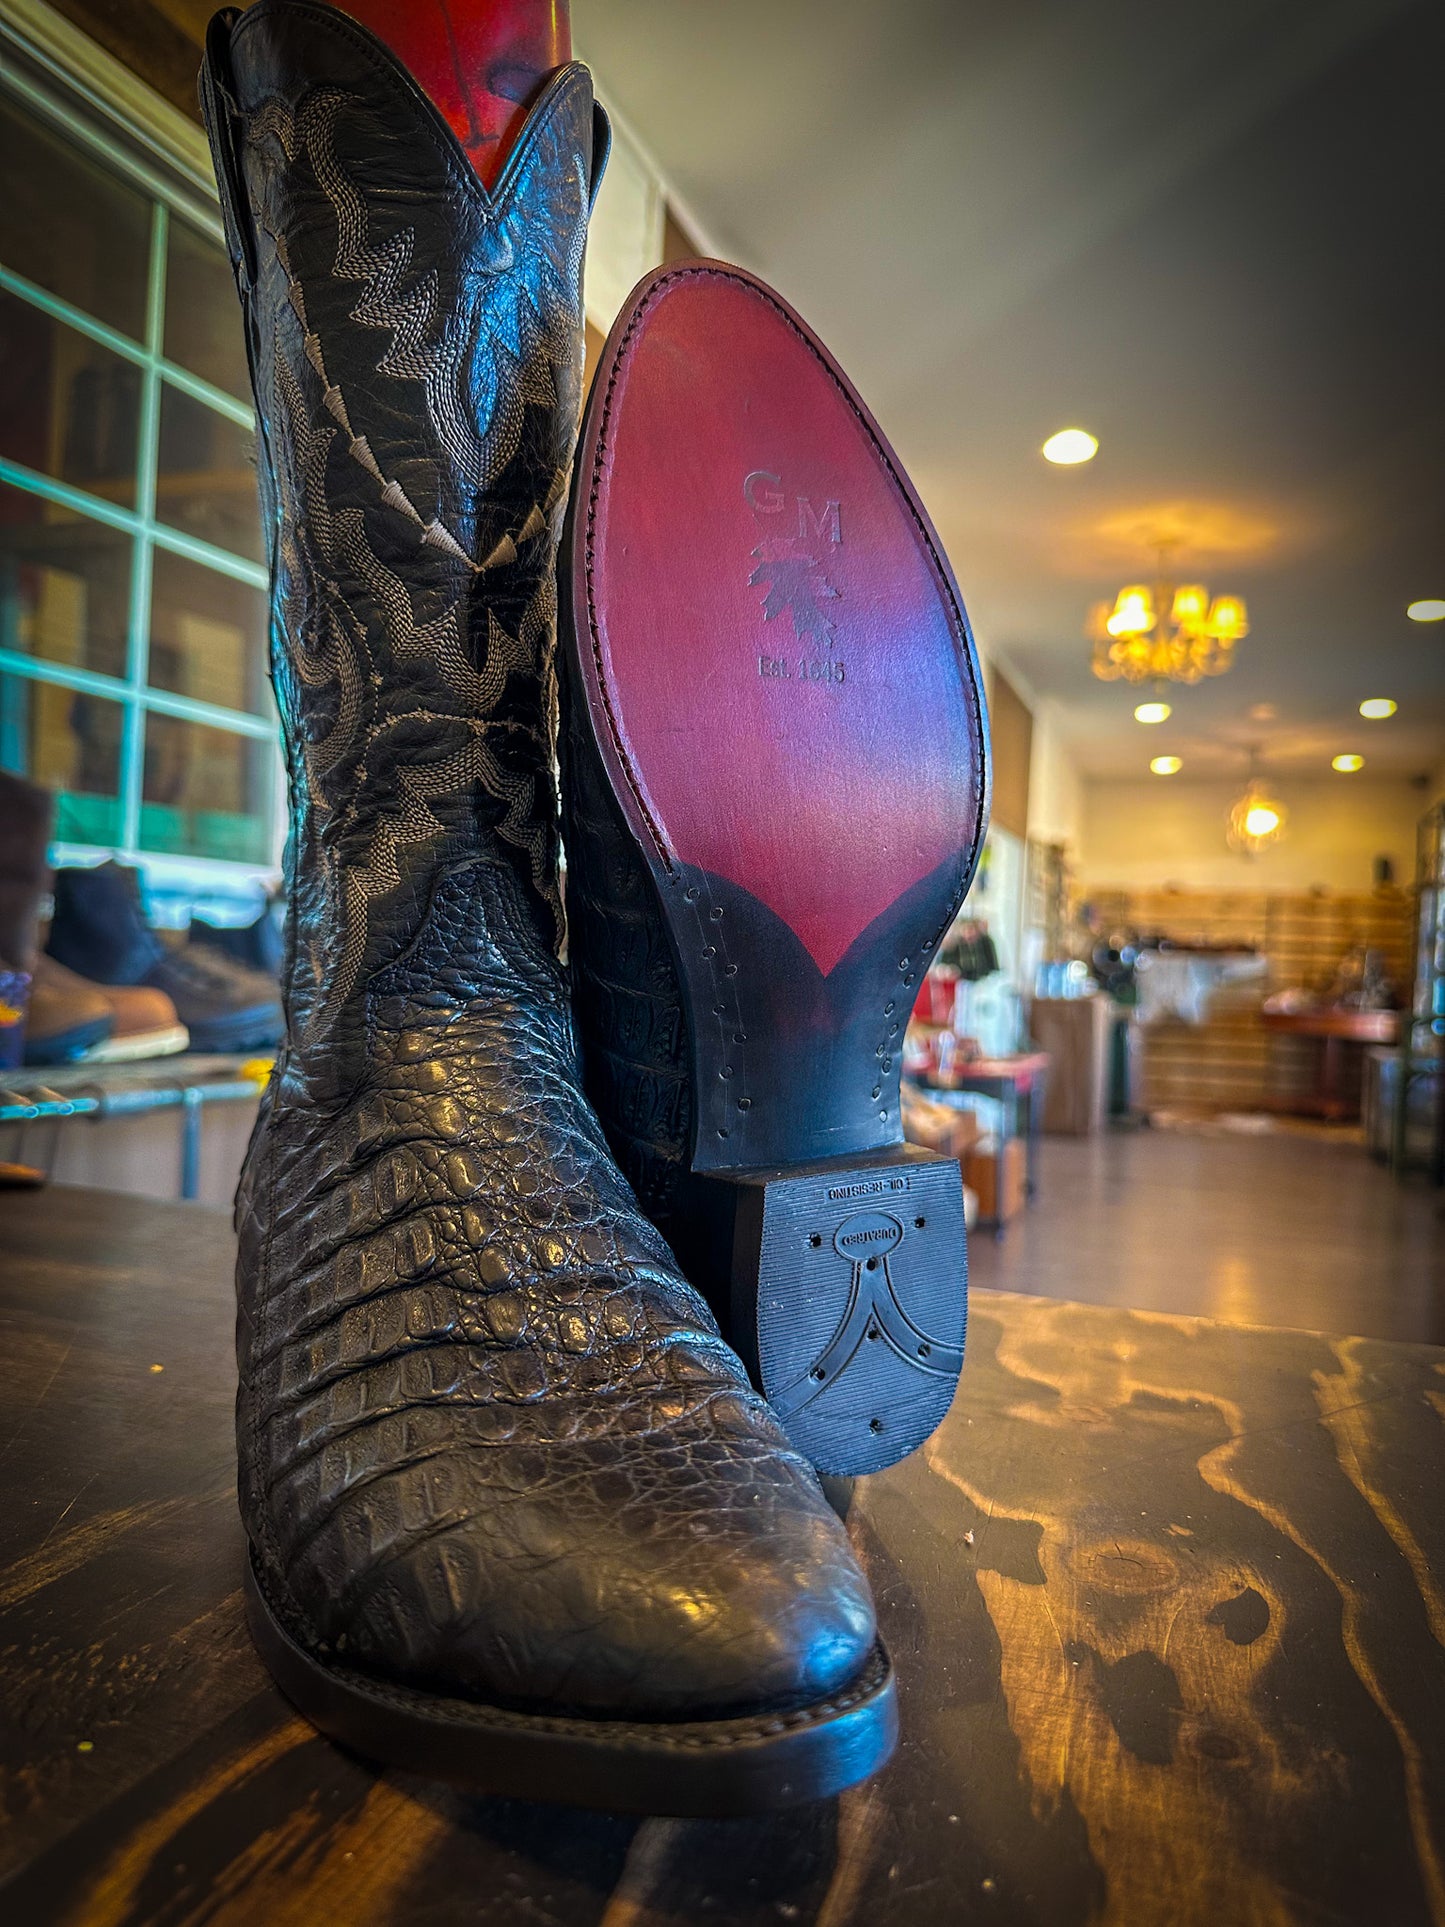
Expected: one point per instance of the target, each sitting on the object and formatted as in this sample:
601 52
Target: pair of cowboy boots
516 1513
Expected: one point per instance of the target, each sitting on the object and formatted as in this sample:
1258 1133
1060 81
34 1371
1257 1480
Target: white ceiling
1209 232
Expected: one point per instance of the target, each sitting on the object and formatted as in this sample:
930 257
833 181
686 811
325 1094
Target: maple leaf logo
795 583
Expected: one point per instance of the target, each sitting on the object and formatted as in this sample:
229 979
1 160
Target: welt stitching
873 1676
799 1721
591 554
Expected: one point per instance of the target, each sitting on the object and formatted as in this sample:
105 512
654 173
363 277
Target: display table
1334 1029
1165 1599
1018 1083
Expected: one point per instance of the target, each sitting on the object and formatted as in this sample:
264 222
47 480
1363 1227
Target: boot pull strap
601 148
223 118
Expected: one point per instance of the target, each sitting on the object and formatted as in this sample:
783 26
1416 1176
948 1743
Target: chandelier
1134 637
1257 819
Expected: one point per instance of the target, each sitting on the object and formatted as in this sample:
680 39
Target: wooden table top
1354 1026
1024 1064
1165 1599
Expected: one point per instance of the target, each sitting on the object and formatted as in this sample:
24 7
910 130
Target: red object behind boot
479 61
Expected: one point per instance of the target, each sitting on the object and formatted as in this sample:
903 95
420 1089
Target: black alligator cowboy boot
515 1515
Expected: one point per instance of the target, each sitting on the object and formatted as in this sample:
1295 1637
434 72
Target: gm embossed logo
796 535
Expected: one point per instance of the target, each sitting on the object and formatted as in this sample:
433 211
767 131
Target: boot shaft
99 928
416 347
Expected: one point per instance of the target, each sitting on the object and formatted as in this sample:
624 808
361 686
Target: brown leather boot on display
138 1022
68 1017
25 818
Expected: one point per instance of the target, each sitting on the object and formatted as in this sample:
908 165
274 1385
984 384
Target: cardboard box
938 1127
996 1172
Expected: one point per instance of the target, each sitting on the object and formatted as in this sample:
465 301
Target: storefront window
132 607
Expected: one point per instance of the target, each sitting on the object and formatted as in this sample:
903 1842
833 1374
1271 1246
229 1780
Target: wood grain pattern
1165 1597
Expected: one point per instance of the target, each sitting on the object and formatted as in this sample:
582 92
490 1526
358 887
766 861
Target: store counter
1333 1029
1166 1600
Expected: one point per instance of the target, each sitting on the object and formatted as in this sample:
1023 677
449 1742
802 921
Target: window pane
207 792
207 479
208 636
71 744
203 317
64 585
68 407
68 225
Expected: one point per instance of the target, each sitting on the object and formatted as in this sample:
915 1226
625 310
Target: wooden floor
1278 1230
1164 1597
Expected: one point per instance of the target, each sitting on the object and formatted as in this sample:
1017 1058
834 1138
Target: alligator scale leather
496 1465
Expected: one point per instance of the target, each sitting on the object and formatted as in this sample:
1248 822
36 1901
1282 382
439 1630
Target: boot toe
662 1608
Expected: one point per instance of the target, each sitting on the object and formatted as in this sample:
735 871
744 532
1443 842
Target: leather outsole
802 768
687 1769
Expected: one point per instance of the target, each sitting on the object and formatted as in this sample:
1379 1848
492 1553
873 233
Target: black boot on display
515 1514
776 793
258 945
100 931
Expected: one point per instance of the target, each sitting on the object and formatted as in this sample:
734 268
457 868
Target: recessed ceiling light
1166 765
1073 445
1347 765
1431 610
1263 713
1378 708
1153 713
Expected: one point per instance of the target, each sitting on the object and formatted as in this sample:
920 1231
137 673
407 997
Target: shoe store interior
722 849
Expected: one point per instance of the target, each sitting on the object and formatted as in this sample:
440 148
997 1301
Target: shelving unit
1230 1061
35 1104
1419 1134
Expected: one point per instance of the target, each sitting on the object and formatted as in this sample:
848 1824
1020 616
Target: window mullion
213 803
90 682
132 761
116 156
196 386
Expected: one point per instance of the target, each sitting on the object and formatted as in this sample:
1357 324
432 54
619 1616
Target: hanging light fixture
1135 639
1258 818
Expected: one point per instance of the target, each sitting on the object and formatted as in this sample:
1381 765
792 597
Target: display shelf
1231 1061
97 1093
1420 1085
